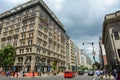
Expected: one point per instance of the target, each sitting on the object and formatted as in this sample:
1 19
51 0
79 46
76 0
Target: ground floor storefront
38 63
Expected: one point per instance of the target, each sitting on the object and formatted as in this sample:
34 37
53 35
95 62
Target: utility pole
93 52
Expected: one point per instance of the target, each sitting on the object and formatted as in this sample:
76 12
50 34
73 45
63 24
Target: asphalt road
77 77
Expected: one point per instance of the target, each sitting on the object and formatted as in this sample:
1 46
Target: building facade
38 36
67 53
72 58
111 38
102 54
78 56
85 60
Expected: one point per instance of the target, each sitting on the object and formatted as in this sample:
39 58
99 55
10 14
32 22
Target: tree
96 65
7 55
54 65
82 67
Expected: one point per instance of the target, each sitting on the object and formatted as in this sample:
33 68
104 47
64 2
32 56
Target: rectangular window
30 35
5 34
24 23
39 42
10 32
19 50
31 27
32 21
44 45
22 43
118 52
116 35
30 42
16 31
6 28
22 50
27 49
30 49
18 25
44 51
12 27
15 44
39 34
23 36
45 37
24 29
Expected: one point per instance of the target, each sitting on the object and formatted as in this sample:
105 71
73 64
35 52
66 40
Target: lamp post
93 53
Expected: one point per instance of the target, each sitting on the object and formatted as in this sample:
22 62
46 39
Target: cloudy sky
82 19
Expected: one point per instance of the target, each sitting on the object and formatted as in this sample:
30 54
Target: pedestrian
98 74
13 73
7 73
101 74
115 74
118 77
106 73
109 74
17 74
23 73
33 74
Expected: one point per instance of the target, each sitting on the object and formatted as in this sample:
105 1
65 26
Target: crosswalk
104 78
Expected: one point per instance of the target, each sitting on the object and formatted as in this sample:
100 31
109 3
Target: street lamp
93 53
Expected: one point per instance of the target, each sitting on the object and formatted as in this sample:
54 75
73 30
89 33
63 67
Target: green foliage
82 67
68 67
96 65
7 56
54 65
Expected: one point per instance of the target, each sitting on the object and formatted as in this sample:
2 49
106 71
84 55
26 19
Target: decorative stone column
57 69
23 63
33 59
16 60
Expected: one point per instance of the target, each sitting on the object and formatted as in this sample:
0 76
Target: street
77 77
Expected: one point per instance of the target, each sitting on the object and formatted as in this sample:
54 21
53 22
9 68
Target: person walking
109 74
115 74
106 74
98 74
101 74
118 75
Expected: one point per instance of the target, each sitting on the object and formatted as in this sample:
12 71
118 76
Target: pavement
43 75
105 78
61 74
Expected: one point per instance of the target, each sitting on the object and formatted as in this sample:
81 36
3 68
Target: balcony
3 39
25 18
16 36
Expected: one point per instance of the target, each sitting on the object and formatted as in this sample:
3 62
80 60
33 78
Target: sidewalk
45 75
42 75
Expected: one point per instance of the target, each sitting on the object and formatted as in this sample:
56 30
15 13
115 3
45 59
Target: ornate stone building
111 38
39 37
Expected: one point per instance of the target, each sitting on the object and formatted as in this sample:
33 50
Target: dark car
69 74
80 72
90 73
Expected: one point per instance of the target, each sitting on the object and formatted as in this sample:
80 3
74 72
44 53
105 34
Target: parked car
90 73
80 72
69 74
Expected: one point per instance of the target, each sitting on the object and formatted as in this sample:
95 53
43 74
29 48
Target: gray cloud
85 17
